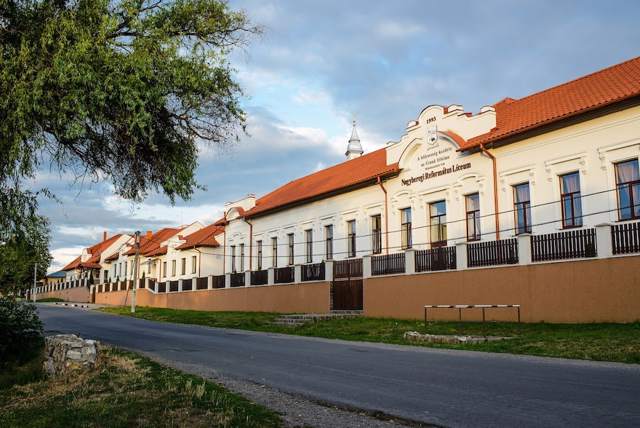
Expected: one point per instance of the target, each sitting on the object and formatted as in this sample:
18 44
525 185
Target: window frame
440 225
630 186
173 268
328 241
242 257
183 266
308 234
274 251
574 219
376 233
259 254
351 239
526 208
406 230
194 262
233 259
477 231
291 242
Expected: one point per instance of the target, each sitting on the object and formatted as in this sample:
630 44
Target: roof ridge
577 79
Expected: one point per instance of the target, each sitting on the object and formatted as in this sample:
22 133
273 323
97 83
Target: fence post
524 249
227 280
146 283
461 255
410 261
366 266
179 285
247 278
210 282
328 270
604 243
271 276
297 274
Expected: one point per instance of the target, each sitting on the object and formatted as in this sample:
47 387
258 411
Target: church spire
354 149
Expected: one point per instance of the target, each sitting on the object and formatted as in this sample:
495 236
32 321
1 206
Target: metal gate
346 287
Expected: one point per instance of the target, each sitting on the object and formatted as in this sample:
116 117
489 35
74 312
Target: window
183 266
405 228
274 252
233 258
522 208
164 269
259 245
628 189
376 234
308 234
328 241
173 268
148 267
241 257
472 204
438 223
125 269
290 246
351 238
194 262
570 200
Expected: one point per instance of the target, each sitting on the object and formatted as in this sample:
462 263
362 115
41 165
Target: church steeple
354 149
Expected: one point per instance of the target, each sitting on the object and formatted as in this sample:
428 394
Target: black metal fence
284 275
492 253
349 268
173 285
237 279
187 284
572 244
313 272
435 259
259 277
202 283
625 238
162 287
388 264
219 281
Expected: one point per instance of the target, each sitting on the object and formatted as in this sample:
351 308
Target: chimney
104 235
149 234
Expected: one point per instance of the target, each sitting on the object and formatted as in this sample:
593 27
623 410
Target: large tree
117 90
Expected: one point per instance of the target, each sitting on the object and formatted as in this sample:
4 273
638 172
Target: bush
21 334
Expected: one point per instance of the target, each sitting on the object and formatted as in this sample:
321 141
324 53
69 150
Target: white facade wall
590 147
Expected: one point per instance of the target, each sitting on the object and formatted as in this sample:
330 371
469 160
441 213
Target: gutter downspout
250 241
386 217
224 248
495 189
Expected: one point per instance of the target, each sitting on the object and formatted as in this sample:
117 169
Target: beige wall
305 298
76 294
606 290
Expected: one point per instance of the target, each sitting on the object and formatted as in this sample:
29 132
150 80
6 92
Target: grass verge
129 390
50 300
601 342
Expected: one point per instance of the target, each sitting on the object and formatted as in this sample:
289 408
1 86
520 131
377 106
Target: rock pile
68 352
414 336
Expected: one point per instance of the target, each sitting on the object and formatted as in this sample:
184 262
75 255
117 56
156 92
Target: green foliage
122 91
21 336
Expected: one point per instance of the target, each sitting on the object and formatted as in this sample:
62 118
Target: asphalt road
449 388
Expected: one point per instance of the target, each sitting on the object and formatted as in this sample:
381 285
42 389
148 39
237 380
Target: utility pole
35 273
135 273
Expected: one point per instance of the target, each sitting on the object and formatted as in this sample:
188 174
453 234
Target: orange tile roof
610 85
358 171
95 251
204 237
151 246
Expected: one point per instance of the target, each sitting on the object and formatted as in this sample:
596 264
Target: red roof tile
204 237
151 246
95 251
353 172
599 89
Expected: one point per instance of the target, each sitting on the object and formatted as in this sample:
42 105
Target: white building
566 157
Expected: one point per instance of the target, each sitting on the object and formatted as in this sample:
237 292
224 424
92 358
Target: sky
318 65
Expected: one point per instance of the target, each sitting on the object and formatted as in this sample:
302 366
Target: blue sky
320 64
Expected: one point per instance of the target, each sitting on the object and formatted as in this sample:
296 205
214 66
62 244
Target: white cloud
62 256
90 233
177 215
398 30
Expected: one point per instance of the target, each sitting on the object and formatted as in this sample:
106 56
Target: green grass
18 374
602 342
50 300
129 390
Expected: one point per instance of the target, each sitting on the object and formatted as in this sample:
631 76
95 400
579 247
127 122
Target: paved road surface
450 388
